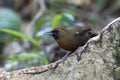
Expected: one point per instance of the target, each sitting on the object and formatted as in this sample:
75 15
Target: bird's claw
56 64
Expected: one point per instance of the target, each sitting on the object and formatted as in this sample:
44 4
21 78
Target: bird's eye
55 34
88 33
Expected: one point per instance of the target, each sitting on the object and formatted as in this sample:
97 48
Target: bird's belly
67 45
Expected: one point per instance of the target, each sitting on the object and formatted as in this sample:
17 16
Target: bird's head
57 32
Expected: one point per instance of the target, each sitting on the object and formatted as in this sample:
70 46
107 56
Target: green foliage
30 56
118 3
21 35
61 0
62 19
39 24
100 2
56 20
26 60
57 1
8 20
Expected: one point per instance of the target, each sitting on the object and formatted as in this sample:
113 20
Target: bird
71 38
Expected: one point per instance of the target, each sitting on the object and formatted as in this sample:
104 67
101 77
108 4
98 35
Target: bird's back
74 37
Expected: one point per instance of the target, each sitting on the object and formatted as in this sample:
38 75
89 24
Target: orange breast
67 45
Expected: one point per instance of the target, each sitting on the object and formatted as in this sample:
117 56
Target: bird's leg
81 50
79 54
61 60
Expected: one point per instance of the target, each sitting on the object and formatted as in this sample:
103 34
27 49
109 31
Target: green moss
117 73
116 44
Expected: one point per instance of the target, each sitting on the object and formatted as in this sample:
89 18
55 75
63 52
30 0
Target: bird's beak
48 33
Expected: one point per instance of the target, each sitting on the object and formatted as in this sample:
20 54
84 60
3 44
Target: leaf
69 16
21 35
69 11
63 1
56 20
30 56
39 24
9 19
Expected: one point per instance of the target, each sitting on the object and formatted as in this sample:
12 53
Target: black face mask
55 34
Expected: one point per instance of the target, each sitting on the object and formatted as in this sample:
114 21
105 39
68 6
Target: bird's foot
56 64
81 50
